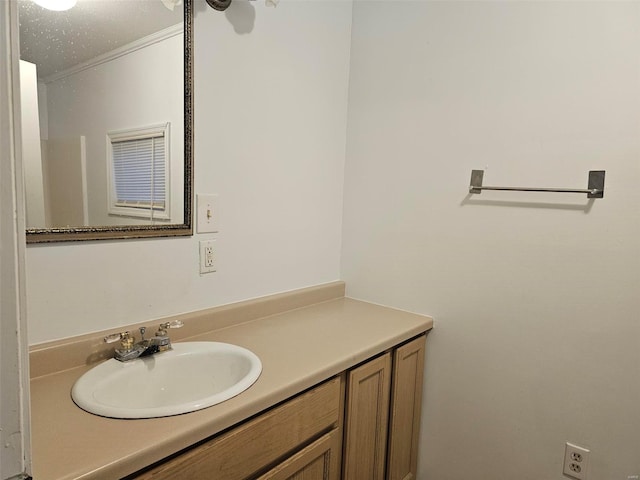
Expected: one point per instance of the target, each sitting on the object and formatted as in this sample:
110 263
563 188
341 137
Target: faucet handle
126 340
162 338
114 337
172 324
162 329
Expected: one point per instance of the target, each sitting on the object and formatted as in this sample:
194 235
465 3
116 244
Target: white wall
270 127
136 90
535 296
15 431
32 159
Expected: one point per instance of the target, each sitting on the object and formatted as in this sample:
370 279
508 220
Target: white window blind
138 168
139 173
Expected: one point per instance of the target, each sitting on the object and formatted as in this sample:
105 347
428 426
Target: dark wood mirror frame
48 235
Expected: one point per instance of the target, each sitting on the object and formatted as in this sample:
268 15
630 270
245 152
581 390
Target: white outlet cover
207 218
576 461
204 245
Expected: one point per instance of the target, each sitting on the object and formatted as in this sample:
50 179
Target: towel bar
595 187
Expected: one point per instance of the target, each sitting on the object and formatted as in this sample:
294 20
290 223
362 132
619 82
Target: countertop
298 348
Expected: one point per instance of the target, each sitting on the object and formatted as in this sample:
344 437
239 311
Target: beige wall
32 158
65 174
269 132
117 95
535 296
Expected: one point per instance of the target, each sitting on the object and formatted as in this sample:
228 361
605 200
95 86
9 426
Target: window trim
115 209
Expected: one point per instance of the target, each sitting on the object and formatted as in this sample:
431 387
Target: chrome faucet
130 350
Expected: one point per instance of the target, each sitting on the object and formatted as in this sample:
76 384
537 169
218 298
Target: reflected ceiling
56 41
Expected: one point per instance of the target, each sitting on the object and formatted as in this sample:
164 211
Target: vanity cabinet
366 419
360 425
284 434
382 418
318 461
406 409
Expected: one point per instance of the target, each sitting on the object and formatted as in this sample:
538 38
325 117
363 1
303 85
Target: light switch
208 214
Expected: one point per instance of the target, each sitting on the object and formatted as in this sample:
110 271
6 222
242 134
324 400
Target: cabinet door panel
366 422
406 401
318 461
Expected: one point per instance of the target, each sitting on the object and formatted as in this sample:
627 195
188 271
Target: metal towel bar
595 187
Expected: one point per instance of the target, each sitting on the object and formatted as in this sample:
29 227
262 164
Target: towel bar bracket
596 182
595 186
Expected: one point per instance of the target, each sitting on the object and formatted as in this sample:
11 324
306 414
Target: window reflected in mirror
138 172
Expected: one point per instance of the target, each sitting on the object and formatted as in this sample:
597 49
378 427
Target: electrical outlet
576 461
207 256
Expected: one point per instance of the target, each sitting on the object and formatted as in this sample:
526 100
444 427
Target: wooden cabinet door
406 401
318 461
367 413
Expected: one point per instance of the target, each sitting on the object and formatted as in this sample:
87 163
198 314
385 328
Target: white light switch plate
208 214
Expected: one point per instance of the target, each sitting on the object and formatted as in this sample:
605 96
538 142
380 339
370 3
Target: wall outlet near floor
207 256
576 461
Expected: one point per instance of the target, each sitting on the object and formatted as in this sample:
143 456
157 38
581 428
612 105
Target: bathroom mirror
106 107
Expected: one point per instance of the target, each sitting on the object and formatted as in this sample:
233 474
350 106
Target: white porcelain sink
192 376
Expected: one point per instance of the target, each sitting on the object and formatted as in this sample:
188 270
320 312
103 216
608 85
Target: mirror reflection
102 86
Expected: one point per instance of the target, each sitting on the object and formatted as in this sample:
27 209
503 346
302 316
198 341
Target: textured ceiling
55 41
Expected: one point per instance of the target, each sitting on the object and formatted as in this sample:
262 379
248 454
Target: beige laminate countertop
298 349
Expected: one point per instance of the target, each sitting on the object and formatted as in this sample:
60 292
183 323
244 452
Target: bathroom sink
192 376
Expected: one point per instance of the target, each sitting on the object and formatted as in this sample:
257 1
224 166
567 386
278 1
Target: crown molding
118 52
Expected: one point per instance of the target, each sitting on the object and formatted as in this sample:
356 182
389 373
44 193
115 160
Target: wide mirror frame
48 235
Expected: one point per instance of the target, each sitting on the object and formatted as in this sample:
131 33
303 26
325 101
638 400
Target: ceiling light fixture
56 5
171 4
